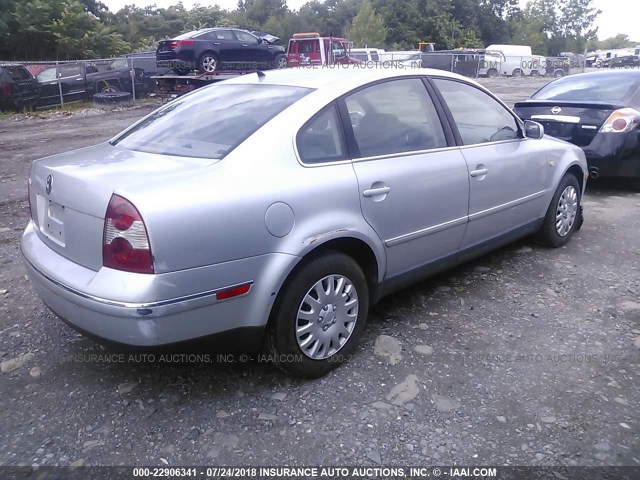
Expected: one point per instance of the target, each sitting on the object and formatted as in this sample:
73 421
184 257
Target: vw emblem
556 110
49 184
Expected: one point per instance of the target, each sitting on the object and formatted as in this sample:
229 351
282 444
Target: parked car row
44 85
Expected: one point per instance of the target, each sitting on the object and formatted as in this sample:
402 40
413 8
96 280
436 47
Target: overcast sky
618 16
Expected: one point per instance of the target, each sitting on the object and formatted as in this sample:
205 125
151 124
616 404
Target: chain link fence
45 84
39 85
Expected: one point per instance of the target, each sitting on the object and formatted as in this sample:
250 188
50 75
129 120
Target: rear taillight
620 121
180 43
6 89
125 244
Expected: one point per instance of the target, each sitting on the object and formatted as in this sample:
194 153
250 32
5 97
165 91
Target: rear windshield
210 122
594 88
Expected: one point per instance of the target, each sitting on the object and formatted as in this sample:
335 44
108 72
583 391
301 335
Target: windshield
210 122
595 88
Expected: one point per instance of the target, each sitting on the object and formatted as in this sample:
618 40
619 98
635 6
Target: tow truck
172 86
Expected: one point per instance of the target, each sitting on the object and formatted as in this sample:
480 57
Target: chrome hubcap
566 211
209 64
327 317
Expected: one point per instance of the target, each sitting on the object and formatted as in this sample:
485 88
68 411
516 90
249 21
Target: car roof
603 73
325 77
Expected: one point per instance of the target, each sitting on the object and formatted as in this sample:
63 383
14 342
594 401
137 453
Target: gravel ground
527 356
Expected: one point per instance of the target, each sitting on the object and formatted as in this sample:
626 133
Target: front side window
320 140
69 70
394 117
210 122
479 117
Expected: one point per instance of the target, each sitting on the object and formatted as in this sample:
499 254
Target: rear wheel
318 316
535 73
558 74
208 63
182 71
564 215
517 73
492 73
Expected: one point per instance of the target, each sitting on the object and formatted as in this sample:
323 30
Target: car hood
267 37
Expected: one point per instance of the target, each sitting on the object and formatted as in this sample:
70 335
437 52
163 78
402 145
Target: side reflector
233 292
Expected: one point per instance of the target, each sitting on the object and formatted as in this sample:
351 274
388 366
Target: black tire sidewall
548 235
281 335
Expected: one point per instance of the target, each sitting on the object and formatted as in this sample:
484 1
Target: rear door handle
479 173
374 192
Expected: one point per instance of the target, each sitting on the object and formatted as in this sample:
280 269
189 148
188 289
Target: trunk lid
70 193
575 122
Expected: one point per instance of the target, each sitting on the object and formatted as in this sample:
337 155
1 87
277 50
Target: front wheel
280 61
492 73
564 215
517 73
318 316
535 73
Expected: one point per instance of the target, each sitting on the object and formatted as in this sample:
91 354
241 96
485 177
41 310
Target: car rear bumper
614 155
150 315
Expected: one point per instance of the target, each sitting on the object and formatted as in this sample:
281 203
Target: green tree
368 28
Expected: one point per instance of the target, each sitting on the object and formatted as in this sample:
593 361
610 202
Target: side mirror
533 130
260 40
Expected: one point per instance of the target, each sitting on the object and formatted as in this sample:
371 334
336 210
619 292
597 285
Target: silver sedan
274 209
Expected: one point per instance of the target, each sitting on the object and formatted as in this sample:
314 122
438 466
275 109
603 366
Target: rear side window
210 122
224 35
394 117
479 117
320 140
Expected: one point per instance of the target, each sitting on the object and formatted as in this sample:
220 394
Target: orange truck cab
311 49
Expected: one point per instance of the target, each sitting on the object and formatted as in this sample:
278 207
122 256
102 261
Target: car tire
303 353
517 73
208 63
564 215
280 62
182 71
492 73
558 74
535 73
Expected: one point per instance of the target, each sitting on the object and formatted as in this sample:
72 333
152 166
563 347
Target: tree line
76 29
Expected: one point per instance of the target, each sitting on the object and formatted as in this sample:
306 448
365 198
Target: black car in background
599 112
213 49
80 81
18 88
144 62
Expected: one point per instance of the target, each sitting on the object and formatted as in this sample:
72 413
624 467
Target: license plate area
51 220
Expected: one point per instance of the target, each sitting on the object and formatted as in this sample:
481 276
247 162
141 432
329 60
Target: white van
519 61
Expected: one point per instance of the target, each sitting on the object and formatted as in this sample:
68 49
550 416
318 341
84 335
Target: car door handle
479 172
374 192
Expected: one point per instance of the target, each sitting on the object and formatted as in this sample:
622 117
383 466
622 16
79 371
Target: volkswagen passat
280 206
